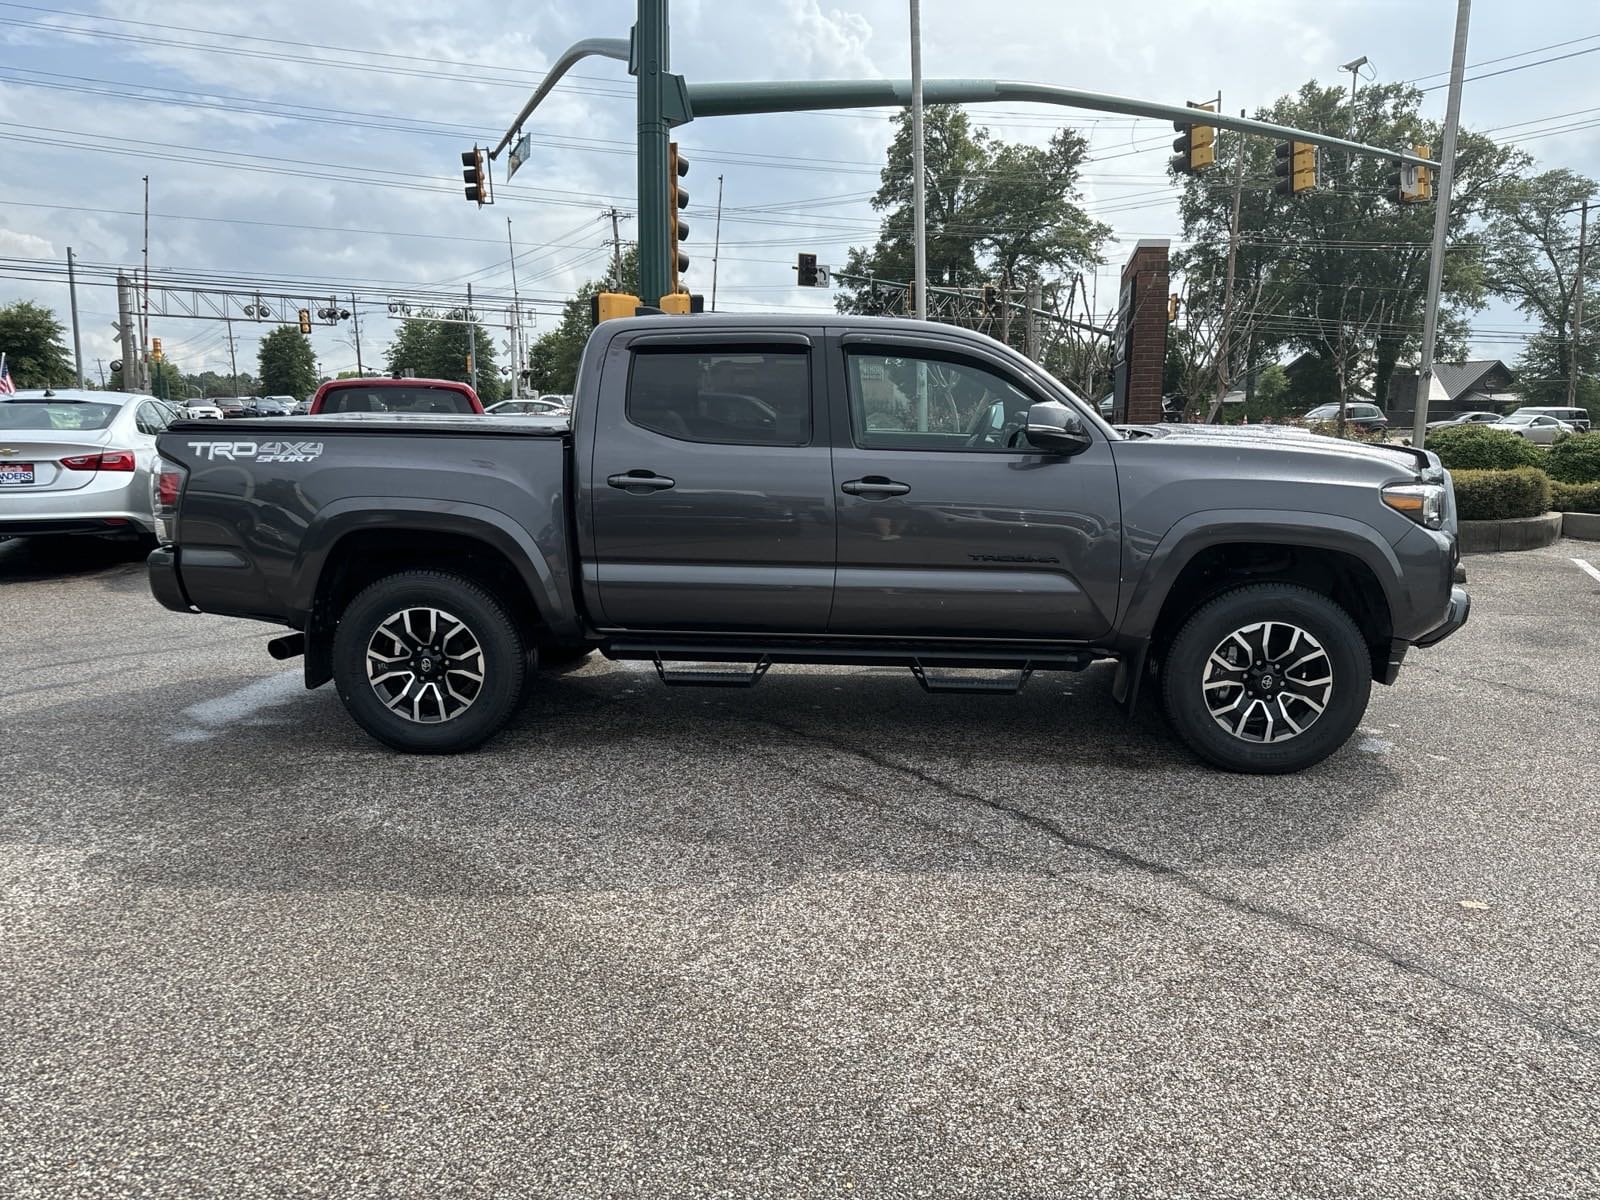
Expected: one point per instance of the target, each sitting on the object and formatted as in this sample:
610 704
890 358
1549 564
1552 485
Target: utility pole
616 251
1441 221
355 327
144 322
716 246
77 341
918 184
516 315
233 361
472 343
1031 330
1573 351
126 325
1224 349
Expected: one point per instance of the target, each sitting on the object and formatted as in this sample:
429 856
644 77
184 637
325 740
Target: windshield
396 399
1521 418
68 416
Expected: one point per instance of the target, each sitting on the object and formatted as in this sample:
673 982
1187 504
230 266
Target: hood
1284 437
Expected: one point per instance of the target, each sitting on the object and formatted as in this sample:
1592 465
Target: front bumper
1455 617
165 584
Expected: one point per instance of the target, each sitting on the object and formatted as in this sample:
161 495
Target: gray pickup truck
733 492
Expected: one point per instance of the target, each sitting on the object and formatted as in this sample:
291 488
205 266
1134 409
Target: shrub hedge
1499 495
1482 448
1575 459
1575 497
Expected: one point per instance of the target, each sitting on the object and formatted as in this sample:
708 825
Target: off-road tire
1184 674
480 611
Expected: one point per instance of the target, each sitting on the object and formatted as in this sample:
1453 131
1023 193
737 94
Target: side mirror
1055 428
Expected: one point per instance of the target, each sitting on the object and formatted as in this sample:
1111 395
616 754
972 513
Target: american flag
6 386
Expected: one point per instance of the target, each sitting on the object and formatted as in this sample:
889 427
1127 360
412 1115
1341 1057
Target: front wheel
1266 679
428 662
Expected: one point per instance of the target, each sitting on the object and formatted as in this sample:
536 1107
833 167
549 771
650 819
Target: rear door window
760 396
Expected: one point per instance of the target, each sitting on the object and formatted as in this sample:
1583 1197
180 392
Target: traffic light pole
1441 223
650 65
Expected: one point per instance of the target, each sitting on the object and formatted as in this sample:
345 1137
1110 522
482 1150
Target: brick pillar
1141 349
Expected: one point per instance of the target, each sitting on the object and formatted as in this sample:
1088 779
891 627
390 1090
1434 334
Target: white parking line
1588 568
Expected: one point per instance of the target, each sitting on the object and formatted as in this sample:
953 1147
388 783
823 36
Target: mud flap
1125 685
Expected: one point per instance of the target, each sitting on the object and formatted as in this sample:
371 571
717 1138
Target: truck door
949 523
710 490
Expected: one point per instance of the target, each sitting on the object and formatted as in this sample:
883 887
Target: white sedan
75 462
1536 427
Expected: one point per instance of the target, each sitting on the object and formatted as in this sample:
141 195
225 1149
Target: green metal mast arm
732 99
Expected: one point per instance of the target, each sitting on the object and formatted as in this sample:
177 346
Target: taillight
110 460
166 487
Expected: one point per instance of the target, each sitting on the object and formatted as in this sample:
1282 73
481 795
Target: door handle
641 482
874 487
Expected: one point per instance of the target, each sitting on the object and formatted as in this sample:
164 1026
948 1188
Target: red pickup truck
395 396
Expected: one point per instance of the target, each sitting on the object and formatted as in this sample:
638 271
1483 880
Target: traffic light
476 176
1296 168
806 269
1172 307
1196 147
991 299
607 306
1409 184
1424 174
677 227
683 304
305 320
155 349
909 297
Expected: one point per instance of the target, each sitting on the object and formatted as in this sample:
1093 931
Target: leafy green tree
434 346
288 366
995 211
553 357
1341 261
32 340
1542 371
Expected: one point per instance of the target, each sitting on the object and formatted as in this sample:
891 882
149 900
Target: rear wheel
1267 679
428 662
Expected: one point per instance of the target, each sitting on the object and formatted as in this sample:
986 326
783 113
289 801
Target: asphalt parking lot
827 937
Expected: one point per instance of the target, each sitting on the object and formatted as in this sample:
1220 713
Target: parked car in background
78 462
232 406
527 408
201 409
396 396
1535 426
1368 418
300 409
1578 418
268 406
564 401
1467 418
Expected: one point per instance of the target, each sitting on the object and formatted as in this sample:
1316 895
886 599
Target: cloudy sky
314 148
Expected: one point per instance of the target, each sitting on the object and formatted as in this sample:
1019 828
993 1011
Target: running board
740 677
983 685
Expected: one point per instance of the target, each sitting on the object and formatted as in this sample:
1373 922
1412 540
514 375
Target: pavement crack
1195 885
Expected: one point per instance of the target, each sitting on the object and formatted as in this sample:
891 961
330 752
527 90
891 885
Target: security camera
1355 64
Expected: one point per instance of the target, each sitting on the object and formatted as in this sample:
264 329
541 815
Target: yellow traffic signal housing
1296 168
677 227
305 320
1424 189
155 349
676 303
607 306
1197 146
1172 307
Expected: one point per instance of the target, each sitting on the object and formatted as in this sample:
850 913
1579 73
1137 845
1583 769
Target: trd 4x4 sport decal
261 452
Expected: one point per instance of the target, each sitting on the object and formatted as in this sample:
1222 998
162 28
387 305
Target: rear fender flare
546 581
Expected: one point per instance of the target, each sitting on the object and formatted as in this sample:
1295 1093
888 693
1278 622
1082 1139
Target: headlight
1422 502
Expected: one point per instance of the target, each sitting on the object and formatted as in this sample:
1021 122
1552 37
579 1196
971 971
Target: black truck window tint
729 395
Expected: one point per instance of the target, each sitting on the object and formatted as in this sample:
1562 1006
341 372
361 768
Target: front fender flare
1216 527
